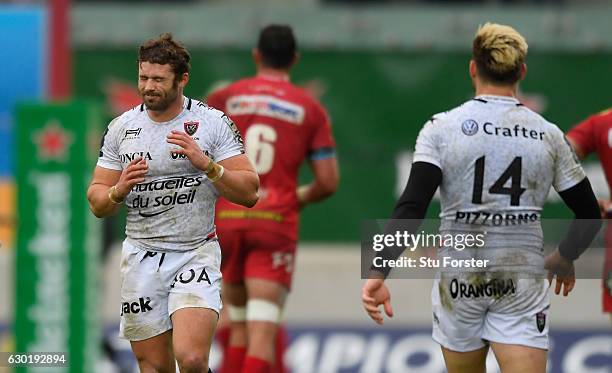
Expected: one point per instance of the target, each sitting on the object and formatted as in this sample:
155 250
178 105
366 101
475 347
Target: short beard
164 102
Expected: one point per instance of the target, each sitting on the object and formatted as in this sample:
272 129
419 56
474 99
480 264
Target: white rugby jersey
498 160
173 210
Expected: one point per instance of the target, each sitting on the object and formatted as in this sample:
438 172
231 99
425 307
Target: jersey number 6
259 145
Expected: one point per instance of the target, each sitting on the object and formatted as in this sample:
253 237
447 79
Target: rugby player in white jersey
168 160
495 162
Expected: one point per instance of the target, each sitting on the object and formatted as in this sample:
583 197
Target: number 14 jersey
282 125
498 160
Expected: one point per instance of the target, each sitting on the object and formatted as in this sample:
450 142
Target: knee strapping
236 313
263 310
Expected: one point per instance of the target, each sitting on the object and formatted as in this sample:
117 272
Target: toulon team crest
191 127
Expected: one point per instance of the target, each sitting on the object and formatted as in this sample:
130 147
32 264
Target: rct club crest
191 127
469 127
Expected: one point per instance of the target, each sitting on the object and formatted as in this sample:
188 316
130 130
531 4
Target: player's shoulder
464 114
209 116
470 108
303 96
279 89
301 100
440 118
445 118
539 119
605 113
248 85
553 134
203 111
244 87
134 114
228 87
603 117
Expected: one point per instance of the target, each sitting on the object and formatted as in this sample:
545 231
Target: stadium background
382 69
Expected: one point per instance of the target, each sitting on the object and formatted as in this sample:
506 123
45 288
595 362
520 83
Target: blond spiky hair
499 52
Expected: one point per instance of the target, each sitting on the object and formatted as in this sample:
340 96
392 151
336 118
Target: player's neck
170 113
496 90
274 74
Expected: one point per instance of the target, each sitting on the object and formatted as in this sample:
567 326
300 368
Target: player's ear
256 56
472 69
184 80
296 59
523 71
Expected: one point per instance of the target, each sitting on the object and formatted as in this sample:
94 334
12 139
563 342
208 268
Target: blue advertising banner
383 350
378 350
23 61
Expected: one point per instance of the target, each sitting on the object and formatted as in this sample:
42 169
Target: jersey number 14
512 173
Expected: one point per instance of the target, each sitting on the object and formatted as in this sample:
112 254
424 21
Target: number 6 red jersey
282 125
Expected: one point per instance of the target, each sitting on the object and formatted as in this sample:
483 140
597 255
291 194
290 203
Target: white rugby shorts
155 284
470 312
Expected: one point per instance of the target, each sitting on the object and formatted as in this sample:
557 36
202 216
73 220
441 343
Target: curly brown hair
165 50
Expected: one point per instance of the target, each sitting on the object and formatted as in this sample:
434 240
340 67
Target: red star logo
52 142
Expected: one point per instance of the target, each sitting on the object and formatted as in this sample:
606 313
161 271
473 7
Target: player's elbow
328 190
252 196
595 220
252 200
329 185
248 199
97 213
96 206
92 206
597 224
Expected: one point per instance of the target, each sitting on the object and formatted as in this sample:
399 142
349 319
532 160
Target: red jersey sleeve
584 135
217 99
322 144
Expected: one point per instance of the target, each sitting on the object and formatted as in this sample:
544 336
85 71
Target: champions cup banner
342 349
511 245
381 350
58 239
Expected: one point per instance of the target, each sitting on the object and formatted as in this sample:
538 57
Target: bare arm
239 181
99 193
325 183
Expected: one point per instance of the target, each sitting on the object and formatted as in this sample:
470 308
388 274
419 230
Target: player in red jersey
282 126
595 135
